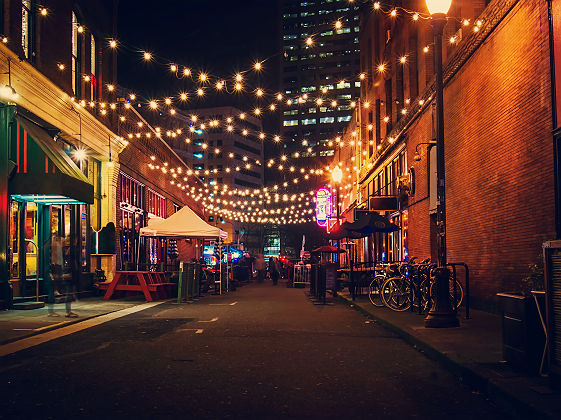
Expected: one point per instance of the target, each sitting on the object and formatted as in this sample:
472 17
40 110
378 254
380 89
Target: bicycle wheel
375 291
459 293
396 294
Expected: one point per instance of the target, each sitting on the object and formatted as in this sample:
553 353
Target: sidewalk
18 324
473 352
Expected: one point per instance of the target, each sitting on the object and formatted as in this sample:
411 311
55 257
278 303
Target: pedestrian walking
261 267
69 277
274 270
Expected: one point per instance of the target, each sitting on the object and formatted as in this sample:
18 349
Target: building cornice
40 96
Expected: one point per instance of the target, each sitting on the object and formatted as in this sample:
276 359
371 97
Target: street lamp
441 314
337 177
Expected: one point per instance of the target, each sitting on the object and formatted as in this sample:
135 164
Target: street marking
51 326
35 340
197 330
223 304
212 320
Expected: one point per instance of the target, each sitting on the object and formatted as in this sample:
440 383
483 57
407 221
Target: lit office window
327 120
308 121
290 123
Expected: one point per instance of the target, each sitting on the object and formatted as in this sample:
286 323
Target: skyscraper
320 74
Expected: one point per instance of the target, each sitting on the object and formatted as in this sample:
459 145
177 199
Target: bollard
180 282
189 285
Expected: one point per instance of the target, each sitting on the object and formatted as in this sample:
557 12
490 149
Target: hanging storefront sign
323 206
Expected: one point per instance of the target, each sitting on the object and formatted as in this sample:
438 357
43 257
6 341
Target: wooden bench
152 284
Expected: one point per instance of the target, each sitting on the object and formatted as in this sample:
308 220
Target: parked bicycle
406 284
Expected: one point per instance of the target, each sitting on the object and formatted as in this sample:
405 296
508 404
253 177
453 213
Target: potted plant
523 336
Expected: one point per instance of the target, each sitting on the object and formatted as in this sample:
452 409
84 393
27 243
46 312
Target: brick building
499 164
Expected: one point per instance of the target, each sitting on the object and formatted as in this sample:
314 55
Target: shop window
31 256
14 243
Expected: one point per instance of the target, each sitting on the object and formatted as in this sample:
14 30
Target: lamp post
337 177
441 314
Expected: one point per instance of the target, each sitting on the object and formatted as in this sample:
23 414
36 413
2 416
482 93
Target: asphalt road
258 352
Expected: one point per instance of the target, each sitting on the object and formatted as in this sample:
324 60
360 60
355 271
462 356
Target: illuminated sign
323 206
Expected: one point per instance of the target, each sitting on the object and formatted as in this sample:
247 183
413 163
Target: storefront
132 217
48 209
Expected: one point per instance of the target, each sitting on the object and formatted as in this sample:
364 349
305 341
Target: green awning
67 180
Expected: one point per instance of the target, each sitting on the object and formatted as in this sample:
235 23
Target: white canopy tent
186 224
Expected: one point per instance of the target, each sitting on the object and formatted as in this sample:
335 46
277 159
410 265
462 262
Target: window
308 121
93 73
327 120
346 118
76 76
28 29
156 204
199 155
290 123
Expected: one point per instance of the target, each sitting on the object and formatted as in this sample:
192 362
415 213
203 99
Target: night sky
219 37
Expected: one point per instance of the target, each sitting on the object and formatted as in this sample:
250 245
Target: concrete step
28 305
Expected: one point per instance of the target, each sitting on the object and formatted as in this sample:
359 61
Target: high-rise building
321 60
224 157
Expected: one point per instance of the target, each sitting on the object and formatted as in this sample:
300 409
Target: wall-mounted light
7 91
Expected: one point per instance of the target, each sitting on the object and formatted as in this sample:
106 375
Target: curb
468 375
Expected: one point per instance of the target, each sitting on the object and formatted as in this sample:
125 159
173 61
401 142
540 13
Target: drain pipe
555 131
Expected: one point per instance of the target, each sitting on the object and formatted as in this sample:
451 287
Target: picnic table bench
152 284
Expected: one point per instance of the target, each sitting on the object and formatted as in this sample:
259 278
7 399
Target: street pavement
259 352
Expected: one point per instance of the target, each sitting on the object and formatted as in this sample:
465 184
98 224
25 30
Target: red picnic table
148 282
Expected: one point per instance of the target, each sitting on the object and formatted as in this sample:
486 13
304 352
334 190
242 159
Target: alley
259 352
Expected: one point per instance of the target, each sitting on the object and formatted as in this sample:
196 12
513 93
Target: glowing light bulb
80 29
381 68
426 49
186 71
183 96
338 24
153 104
113 43
200 92
60 66
238 86
403 59
44 12
203 77
309 41
147 56
173 68
258 66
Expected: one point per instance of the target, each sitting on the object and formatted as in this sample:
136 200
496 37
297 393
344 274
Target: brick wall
499 163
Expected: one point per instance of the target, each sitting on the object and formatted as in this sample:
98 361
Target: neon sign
323 206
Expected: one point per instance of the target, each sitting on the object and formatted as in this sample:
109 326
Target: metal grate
555 279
